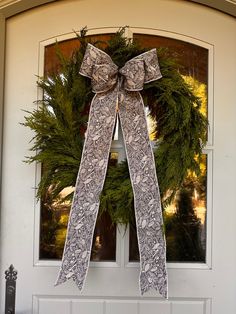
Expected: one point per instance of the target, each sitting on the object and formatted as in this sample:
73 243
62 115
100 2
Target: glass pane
54 215
53 226
51 61
185 222
185 218
192 58
193 61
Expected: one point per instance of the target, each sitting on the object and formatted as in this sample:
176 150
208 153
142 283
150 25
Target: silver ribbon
117 93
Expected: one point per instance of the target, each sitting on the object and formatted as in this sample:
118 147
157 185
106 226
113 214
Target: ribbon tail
89 184
147 203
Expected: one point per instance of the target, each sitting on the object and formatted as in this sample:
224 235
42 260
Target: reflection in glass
185 222
53 226
193 59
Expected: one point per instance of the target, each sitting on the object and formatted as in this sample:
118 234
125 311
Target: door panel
47 305
113 288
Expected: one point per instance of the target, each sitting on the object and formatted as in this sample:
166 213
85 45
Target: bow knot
105 74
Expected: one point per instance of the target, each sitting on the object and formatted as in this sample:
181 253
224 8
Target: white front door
205 285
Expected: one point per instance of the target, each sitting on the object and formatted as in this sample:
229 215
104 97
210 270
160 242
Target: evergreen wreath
59 123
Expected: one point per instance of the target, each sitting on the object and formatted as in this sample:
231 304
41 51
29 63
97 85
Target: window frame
122 233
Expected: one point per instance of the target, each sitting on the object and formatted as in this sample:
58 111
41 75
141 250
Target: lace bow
113 86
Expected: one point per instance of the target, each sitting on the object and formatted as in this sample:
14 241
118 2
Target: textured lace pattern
111 86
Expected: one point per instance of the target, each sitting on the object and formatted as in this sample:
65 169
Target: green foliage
117 196
59 124
60 120
181 128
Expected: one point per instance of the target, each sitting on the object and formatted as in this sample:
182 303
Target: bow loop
104 77
99 67
140 70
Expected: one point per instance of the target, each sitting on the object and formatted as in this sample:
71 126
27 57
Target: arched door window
185 218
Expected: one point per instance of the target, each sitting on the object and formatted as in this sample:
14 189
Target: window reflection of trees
185 222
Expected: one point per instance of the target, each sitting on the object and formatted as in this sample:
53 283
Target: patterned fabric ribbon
117 93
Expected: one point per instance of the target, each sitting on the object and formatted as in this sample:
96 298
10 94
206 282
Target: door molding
9 8
226 6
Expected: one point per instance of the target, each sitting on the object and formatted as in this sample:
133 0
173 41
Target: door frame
2 93
9 8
